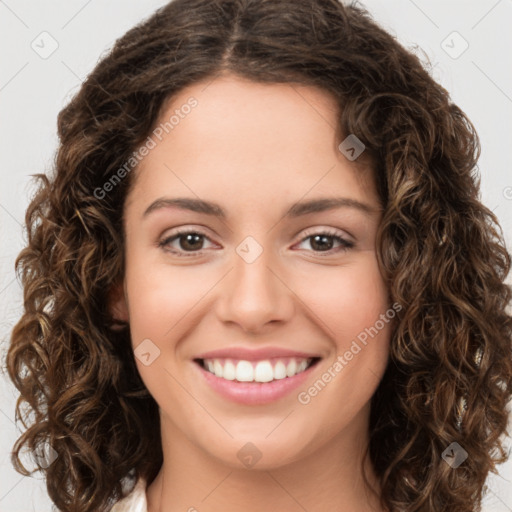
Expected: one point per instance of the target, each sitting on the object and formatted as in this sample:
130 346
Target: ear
118 307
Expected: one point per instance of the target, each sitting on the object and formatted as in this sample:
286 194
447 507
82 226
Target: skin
255 149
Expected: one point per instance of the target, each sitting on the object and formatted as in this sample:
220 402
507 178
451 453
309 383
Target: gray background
34 86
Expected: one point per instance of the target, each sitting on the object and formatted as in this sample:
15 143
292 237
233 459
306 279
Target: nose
255 293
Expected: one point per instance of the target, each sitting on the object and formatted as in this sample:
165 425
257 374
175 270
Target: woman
261 277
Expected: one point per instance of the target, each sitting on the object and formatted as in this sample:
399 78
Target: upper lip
254 354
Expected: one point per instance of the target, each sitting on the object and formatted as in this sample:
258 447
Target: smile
266 370
255 382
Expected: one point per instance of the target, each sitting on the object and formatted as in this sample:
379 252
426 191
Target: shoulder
135 501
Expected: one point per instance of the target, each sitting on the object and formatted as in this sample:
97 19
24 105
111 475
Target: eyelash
345 244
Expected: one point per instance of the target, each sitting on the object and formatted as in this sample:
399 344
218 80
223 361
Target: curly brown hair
440 250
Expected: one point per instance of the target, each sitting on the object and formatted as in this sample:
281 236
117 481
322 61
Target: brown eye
187 241
324 241
190 241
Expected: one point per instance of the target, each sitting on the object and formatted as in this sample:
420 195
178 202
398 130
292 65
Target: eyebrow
296 210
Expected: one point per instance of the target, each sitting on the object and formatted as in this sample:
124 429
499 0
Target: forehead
270 138
233 113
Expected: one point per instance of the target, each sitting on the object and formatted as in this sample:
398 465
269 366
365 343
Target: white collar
135 501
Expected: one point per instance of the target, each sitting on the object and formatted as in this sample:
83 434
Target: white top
135 501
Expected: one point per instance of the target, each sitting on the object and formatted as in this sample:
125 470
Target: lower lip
255 393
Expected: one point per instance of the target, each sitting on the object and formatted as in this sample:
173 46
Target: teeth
279 370
291 369
217 368
244 371
302 366
229 371
263 372
252 371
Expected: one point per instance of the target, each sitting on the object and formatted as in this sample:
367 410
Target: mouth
262 371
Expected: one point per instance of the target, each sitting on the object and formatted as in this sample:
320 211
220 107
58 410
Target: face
256 285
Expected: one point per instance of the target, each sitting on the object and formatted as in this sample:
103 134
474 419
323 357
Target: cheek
159 299
350 303
349 298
